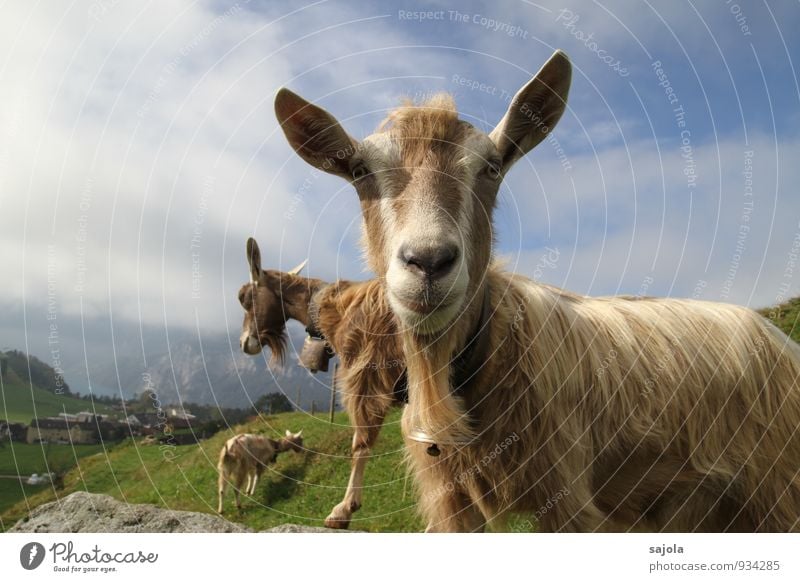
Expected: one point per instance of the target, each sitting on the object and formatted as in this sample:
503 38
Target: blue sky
140 147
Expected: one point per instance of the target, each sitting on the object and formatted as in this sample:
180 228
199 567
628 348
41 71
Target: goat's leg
237 489
363 440
221 482
253 482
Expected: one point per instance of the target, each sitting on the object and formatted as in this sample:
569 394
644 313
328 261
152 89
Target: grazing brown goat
244 457
590 413
356 321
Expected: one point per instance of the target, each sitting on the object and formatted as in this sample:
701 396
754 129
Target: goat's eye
360 171
493 170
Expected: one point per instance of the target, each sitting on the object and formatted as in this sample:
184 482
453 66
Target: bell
315 355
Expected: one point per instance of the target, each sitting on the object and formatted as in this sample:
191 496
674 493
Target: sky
139 147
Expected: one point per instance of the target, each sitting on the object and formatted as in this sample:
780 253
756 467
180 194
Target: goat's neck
296 293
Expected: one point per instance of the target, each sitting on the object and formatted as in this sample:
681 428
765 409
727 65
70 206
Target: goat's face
264 312
427 182
263 318
294 441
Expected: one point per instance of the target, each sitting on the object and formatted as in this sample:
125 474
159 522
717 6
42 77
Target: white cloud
131 124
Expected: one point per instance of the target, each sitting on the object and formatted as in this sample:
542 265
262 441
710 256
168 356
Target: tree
273 403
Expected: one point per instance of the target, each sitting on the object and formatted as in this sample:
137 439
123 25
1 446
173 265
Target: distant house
18 431
13 431
185 414
83 416
61 430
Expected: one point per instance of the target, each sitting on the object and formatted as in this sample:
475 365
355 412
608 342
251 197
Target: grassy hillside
786 316
19 399
25 459
299 488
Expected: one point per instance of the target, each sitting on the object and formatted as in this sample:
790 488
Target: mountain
25 394
216 373
122 359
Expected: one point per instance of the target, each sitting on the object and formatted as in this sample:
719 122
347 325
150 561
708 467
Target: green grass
18 400
13 492
786 316
299 488
25 459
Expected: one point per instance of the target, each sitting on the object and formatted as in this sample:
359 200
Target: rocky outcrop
92 513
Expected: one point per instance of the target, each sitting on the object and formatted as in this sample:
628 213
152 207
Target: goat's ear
298 268
254 260
288 433
314 134
534 111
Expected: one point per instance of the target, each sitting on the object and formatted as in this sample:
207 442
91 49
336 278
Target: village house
60 430
13 431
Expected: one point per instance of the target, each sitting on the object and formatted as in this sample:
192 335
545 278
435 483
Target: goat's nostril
431 262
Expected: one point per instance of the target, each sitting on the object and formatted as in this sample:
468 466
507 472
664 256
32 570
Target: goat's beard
432 406
276 341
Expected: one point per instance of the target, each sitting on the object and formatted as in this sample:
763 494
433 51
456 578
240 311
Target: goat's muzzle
250 345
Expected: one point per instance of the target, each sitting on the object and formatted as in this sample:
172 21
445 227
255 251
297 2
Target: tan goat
357 323
244 457
591 413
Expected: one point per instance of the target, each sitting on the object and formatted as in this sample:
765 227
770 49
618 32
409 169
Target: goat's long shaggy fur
357 321
624 413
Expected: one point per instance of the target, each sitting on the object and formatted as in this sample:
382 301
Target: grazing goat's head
263 300
293 441
427 182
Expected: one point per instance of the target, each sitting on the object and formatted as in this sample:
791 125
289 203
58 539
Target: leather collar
468 362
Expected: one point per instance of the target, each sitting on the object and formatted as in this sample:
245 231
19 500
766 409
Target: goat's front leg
363 440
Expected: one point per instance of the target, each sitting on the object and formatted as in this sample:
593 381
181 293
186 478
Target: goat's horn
298 268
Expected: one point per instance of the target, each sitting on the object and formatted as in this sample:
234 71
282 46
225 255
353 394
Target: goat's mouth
251 345
425 315
423 306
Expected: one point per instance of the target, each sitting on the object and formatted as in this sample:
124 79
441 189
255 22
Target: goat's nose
432 262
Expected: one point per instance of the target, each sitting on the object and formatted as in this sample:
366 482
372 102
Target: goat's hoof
336 523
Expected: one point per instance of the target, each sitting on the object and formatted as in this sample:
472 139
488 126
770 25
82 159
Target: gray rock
92 513
294 528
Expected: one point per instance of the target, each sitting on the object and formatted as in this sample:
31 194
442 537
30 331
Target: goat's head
263 299
294 441
427 182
